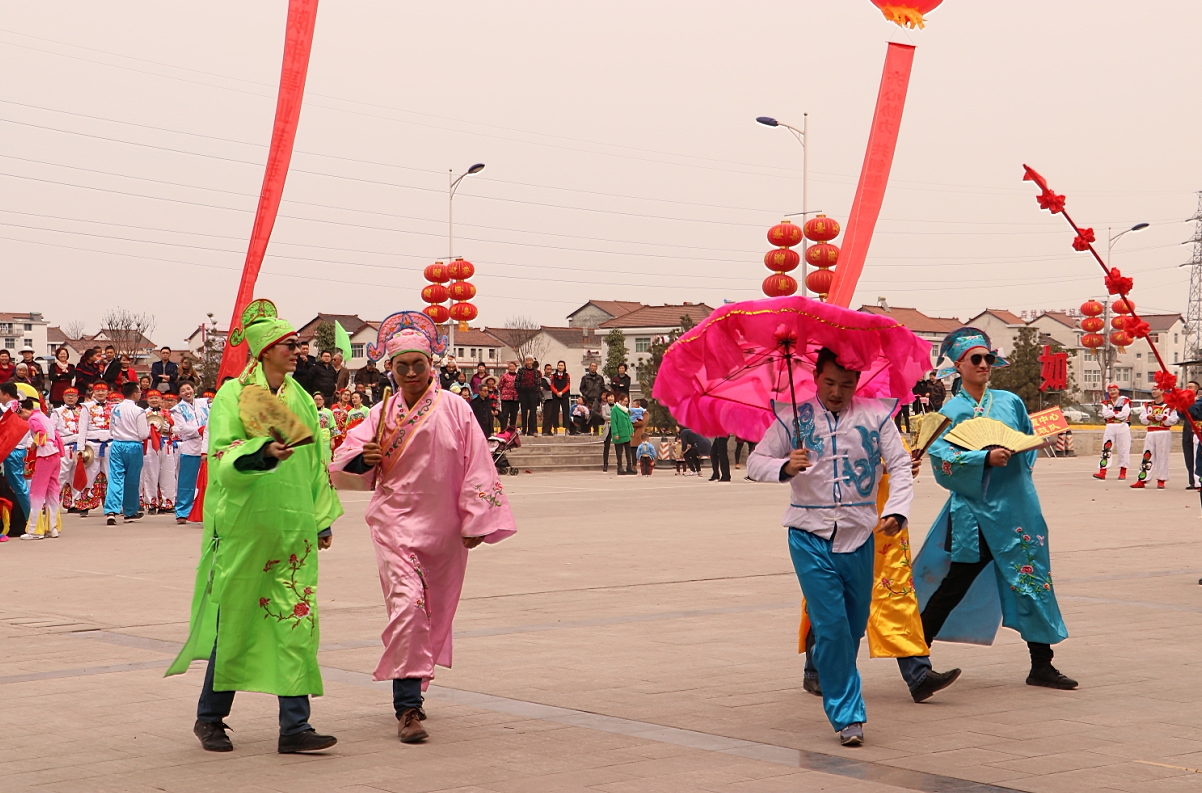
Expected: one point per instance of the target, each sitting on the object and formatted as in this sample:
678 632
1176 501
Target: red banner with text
298 41
874 175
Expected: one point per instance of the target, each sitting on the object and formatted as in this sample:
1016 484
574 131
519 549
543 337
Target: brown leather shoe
409 727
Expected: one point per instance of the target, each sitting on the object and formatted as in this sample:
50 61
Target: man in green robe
268 509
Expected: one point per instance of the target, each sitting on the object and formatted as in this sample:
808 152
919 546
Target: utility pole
1193 312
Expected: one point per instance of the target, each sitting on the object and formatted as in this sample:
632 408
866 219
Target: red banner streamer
302 14
874 176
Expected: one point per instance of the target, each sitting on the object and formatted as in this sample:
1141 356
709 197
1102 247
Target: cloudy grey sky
623 161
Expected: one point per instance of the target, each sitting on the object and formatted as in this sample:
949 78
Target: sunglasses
988 358
291 344
403 369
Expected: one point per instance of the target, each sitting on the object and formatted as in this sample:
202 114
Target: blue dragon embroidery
805 421
862 475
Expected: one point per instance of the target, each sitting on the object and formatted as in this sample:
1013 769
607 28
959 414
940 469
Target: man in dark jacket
324 377
448 373
528 384
37 378
110 367
620 383
591 386
369 376
937 393
304 367
164 373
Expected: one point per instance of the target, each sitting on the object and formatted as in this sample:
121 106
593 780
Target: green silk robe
258 564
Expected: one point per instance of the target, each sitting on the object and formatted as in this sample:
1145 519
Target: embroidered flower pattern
491 497
1029 581
421 602
888 584
222 452
302 609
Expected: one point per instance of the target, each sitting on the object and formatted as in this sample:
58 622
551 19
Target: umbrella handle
792 394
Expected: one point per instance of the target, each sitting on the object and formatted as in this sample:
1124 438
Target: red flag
12 430
80 479
198 504
297 42
874 175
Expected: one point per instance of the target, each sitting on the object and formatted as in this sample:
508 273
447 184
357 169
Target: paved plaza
635 635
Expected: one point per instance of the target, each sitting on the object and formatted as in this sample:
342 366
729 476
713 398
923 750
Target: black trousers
692 459
605 456
902 417
528 400
952 590
739 448
509 413
719 459
1187 447
553 408
624 452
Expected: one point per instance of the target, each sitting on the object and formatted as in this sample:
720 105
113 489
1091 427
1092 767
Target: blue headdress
960 341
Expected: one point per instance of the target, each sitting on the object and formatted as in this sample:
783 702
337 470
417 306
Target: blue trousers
185 493
838 592
125 476
215 706
14 475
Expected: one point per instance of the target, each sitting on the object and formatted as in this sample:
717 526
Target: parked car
1079 414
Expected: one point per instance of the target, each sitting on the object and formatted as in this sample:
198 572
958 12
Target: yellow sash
894 622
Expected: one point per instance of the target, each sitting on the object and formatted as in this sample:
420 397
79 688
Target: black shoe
212 736
812 685
134 518
307 741
727 479
933 682
111 520
713 479
83 513
1050 677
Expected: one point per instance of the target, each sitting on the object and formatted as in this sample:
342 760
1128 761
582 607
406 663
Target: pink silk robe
436 485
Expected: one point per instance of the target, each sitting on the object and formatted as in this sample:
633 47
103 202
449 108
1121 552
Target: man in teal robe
268 509
992 521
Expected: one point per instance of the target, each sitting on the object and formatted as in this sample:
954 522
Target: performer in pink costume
437 495
45 455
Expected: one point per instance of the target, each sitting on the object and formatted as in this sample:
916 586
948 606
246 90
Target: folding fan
929 427
265 416
983 433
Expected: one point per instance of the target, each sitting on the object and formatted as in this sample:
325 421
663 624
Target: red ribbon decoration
874 175
1179 398
1082 240
298 41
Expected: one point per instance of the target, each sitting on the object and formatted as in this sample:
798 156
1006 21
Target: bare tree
74 329
212 349
526 338
128 331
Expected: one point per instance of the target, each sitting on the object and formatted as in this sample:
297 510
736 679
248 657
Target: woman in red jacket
558 404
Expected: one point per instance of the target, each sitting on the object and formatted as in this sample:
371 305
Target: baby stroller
502 442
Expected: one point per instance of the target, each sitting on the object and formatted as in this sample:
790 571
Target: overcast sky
623 160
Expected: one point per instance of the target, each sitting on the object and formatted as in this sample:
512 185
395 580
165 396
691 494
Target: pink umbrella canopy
723 375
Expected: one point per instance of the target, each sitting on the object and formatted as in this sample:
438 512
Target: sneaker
111 520
409 727
1100 474
134 518
307 741
212 736
852 735
28 536
812 685
53 534
1160 484
83 513
180 521
1138 485
1050 677
4 538
934 682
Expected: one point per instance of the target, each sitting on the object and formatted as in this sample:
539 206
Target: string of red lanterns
460 292
1093 324
783 260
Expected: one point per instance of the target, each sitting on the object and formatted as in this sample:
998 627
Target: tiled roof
667 316
350 322
574 337
1008 317
615 308
18 317
1160 322
1059 316
915 320
55 335
474 337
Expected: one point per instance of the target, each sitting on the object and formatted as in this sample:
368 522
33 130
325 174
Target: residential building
360 331
55 338
576 347
931 329
594 312
1000 325
643 326
473 346
20 329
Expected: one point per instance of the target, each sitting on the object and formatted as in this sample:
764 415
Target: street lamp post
452 186
802 136
1111 353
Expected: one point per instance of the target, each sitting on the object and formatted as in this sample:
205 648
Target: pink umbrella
723 375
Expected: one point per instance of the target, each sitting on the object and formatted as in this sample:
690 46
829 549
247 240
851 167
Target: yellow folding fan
265 416
984 433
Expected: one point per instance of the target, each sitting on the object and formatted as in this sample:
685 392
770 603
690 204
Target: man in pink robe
437 495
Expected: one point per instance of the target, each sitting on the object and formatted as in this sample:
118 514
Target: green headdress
260 328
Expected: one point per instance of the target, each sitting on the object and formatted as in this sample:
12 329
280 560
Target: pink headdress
399 333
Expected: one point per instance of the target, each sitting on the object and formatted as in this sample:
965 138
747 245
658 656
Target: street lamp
453 185
1115 237
803 139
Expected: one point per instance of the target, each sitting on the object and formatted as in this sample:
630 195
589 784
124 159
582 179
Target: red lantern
822 255
437 313
461 270
782 260
780 285
437 273
463 312
1120 322
1093 340
1092 324
435 293
820 228
1121 339
1123 306
1092 308
819 282
785 234
907 13
462 290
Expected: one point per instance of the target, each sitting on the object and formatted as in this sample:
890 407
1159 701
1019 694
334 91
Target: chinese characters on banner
1047 423
1053 370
